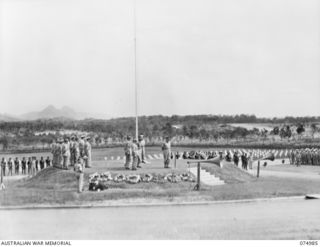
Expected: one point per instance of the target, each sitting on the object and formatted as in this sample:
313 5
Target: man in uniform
128 153
29 163
53 152
76 149
303 156
309 156
81 146
3 166
10 166
48 162
60 152
166 150
24 165
236 158
57 154
135 155
37 167
292 155
34 166
41 163
72 151
87 153
16 166
142 144
298 158
66 153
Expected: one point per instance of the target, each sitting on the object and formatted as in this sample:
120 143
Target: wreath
106 176
133 179
186 177
119 178
146 178
172 178
94 176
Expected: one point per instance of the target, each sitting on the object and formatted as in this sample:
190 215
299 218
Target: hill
51 112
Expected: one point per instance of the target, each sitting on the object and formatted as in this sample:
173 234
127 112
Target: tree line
200 127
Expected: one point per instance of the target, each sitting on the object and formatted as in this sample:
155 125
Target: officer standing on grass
66 153
76 149
236 158
298 157
87 153
53 152
24 165
128 153
10 166
16 166
81 146
33 166
48 162
72 151
292 157
29 165
142 144
41 162
135 155
3 166
59 152
79 168
166 150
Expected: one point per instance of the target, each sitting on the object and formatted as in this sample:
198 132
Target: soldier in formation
24 166
305 157
142 145
10 166
135 155
128 149
236 158
87 152
134 151
48 162
67 152
166 150
16 166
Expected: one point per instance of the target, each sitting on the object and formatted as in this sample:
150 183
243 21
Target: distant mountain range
51 112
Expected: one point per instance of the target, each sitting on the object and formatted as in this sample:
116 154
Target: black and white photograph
159 120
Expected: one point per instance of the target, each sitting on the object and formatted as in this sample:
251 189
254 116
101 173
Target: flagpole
135 68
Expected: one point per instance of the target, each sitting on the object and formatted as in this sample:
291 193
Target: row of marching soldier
26 166
305 157
70 151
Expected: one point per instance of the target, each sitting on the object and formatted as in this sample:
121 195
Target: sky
193 56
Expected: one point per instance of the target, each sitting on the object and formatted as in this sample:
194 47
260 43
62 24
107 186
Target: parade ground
54 186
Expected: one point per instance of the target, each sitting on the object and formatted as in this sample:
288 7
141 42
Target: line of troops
305 157
245 158
68 152
26 166
135 153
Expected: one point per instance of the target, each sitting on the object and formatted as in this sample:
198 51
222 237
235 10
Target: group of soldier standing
71 151
26 166
135 153
305 157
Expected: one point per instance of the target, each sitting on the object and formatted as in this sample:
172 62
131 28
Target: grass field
55 186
